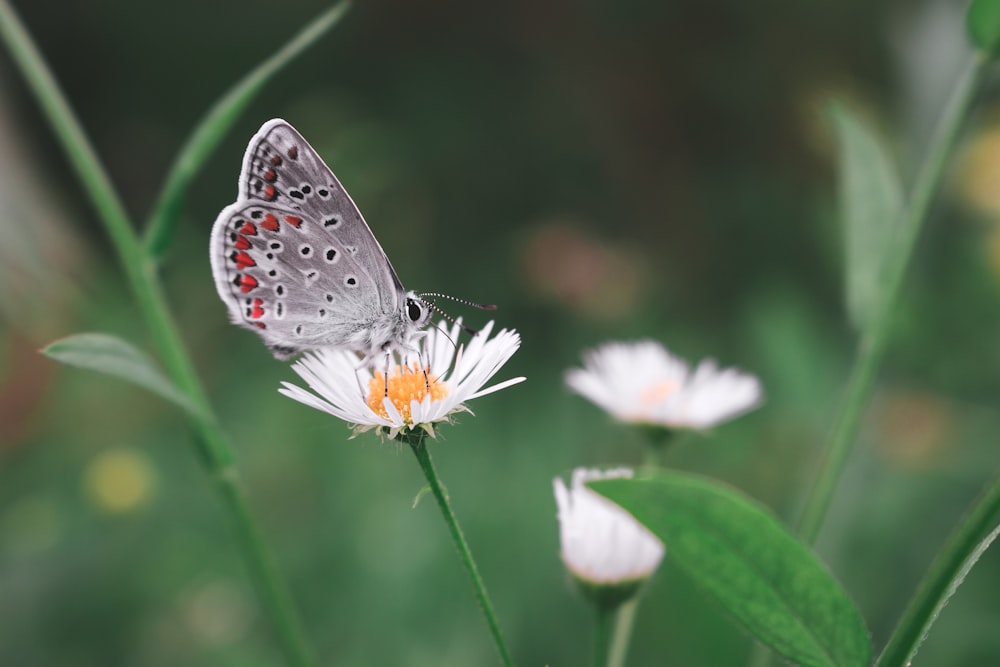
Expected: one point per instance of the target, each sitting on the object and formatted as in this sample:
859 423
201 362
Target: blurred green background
601 170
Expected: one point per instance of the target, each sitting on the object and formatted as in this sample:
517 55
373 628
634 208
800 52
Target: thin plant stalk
621 636
604 618
658 440
872 343
418 444
141 274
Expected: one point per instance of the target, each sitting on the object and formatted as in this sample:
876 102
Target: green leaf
870 204
983 22
113 356
214 125
949 591
737 551
960 552
424 490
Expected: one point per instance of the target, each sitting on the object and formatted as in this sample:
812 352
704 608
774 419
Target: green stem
872 344
602 631
658 440
142 278
624 622
417 443
945 574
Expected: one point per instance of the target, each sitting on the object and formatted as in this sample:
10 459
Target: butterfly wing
293 259
282 168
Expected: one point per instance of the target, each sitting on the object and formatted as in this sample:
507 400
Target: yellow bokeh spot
405 384
119 480
979 170
993 250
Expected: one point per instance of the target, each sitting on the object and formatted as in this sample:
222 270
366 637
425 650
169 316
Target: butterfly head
416 312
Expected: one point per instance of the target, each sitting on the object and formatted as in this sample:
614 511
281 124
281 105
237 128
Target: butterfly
294 260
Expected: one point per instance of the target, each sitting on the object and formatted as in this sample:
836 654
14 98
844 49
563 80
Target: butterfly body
294 260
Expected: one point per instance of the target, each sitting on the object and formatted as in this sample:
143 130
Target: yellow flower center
655 394
405 384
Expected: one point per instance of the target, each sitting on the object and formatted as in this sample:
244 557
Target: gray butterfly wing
293 259
280 167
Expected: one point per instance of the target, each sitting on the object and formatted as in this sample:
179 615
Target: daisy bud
606 550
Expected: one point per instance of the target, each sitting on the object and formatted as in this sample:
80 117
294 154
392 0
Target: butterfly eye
413 310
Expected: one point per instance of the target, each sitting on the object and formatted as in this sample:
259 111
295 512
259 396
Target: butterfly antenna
467 329
466 302
433 306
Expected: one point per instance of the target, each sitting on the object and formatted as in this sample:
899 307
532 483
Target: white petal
497 387
339 386
642 382
600 541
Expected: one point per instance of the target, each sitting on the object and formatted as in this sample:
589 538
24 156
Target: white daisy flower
643 383
416 397
604 547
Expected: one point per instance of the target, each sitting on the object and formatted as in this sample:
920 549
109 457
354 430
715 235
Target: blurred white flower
602 544
643 383
416 397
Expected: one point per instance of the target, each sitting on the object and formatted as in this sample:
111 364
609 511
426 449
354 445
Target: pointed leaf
113 356
870 203
952 587
739 552
213 127
954 561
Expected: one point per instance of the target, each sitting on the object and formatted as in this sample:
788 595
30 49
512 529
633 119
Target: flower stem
872 343
658 440
624 622
417 443
602 630
140 272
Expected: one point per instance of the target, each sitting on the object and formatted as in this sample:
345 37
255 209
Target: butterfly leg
425 367
357 376
388 356
406 352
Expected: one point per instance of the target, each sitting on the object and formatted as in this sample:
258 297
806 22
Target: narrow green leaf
214 125
739 552
113 356
952 564
983 22
870 204
953 585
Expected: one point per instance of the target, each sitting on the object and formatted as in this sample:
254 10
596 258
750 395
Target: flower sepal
656 435
607 595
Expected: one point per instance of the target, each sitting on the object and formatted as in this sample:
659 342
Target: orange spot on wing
242 243
243 260
293 221
270 193
247 282
248 229
270 222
